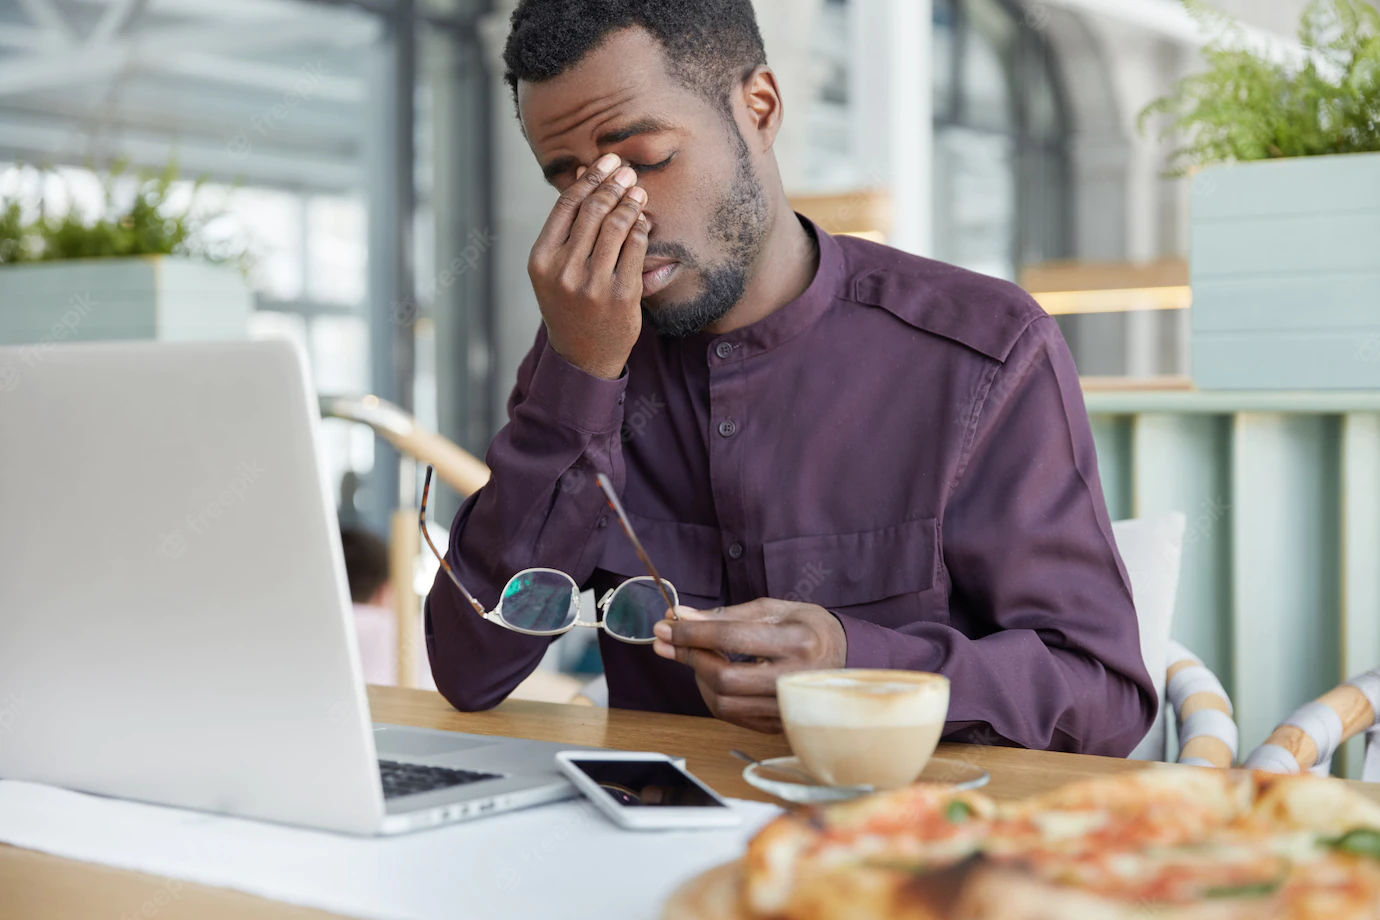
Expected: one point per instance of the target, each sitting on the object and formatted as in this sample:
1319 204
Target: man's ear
762 99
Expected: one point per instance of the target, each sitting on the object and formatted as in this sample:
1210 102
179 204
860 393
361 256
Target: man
840 454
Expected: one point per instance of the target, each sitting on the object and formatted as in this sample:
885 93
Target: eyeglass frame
668 590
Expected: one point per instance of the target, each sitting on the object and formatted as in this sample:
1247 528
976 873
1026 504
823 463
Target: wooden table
35 885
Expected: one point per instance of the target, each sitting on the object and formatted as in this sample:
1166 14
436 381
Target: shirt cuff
581 400
869 645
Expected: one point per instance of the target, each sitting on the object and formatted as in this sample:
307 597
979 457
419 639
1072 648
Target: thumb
690 613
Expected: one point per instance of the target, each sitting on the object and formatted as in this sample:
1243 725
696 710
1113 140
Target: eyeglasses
545 602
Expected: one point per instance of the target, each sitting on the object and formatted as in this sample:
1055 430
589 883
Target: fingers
562 217
615 232
755 638
597 206
764 609
627 276
759 713
727 678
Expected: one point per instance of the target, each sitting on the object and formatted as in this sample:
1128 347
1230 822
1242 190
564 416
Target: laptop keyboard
401 779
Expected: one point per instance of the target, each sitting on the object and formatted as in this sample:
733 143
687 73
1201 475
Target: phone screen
646 784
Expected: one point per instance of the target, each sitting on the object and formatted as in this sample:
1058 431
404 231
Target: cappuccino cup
863 727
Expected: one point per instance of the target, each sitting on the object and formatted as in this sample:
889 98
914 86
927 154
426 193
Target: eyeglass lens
540 601
636 608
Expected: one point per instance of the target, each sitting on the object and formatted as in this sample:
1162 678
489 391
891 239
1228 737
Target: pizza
1171 843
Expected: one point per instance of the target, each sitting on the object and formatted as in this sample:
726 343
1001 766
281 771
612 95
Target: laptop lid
173 601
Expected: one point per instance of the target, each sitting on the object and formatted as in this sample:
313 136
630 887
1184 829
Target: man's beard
740 223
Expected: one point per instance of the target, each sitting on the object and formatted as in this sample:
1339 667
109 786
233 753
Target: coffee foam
844 701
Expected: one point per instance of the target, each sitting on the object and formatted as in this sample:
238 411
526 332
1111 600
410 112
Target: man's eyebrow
648 125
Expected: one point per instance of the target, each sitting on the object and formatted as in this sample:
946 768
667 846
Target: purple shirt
905 444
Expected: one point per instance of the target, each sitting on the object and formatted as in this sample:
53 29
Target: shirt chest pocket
881 570
686 555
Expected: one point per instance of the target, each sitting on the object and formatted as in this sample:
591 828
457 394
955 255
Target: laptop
175 623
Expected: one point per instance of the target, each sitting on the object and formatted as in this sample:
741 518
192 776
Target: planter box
154 297
1286 274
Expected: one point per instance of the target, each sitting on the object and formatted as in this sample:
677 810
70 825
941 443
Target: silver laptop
175 624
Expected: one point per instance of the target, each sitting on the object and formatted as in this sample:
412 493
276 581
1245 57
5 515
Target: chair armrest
1308 738
1202 711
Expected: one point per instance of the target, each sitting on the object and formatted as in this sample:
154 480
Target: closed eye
654 167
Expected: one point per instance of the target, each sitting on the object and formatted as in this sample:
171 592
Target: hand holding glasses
545 602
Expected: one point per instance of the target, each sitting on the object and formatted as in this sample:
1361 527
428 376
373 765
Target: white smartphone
644 792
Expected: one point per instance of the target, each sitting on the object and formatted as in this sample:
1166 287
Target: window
1001 185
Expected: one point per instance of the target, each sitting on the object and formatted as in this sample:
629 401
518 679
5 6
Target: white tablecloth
559 861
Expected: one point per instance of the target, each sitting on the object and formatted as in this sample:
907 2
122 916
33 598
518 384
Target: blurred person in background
376 625
841 455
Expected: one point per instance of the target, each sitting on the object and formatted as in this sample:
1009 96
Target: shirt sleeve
540 508
1029 555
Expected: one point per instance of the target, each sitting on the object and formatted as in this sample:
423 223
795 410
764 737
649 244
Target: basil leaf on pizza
1362 841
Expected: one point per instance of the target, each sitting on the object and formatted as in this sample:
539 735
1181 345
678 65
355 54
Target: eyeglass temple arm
607 485
440 557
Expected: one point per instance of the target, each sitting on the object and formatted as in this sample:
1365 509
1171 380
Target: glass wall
277 116
1001 186
1002 195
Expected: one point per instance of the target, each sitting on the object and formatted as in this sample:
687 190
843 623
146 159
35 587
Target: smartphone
643 791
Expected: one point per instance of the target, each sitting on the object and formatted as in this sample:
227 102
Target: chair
1309 738
1151 549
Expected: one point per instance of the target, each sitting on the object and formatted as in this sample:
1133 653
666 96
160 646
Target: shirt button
620 398
723 349
603 521
735 551
727 428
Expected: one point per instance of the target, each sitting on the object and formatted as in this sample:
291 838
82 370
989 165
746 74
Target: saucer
785 778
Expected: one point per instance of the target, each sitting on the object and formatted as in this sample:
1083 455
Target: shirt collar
788 321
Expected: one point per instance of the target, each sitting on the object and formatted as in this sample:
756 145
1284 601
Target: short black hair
366 563
710 45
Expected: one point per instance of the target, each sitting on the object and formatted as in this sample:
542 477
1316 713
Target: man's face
707 210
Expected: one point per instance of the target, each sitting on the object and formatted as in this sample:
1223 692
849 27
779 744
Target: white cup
864 727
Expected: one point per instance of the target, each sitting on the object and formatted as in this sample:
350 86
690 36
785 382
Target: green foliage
1247 106
148 224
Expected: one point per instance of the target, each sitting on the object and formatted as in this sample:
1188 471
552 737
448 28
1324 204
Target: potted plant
141 268
1285 162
